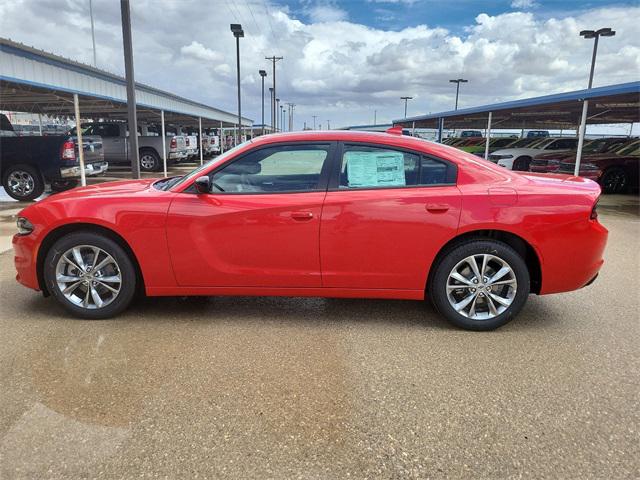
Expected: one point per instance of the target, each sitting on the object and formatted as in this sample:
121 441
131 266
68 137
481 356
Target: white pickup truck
115 144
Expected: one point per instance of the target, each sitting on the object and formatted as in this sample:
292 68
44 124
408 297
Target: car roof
339 135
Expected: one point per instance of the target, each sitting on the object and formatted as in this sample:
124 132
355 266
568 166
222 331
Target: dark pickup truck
29 164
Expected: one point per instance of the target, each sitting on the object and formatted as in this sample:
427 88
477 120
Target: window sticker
375 169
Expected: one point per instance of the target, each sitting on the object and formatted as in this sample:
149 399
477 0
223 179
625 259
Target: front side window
377 167
285 168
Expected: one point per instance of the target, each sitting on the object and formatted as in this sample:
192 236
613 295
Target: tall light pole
314 121
277 112
458 81
237 31
132 114
262 74
405 104
328 125
93 33
271 103
588 34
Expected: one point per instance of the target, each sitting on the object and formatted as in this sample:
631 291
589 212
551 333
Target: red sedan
329 214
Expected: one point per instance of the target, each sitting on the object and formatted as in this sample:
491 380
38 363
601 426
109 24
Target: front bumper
25 257
89 170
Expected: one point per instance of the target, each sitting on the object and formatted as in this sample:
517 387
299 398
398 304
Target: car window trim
323 181
334 181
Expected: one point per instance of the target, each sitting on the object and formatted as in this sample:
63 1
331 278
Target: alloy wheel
88 277
21 183
481 287
147 161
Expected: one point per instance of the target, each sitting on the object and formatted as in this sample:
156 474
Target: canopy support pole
40 123
221 136
200 138
413 129
76 106
583 127
488 136
164 143
440 128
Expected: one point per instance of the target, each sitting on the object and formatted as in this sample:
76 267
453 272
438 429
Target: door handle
301 216
436 207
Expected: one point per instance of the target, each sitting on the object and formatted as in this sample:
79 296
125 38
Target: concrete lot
314 388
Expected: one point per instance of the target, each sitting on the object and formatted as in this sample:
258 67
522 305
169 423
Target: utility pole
328 125
375 114
131 88
405 104
314 121
277 113
274 108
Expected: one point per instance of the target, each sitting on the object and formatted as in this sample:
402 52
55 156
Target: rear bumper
544 168
89 170
574 259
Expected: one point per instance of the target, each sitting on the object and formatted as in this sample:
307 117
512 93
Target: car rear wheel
480 284
614 180
23 182
90 275
522 164
149 161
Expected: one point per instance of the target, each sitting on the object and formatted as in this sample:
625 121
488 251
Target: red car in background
328 214
616 171
550 162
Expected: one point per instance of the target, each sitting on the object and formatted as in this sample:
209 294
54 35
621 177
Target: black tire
63 185
614 180
149 160
32 187
521 164
124 266
437 290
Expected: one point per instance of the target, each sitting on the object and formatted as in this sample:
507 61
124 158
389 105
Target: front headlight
24 226
589 166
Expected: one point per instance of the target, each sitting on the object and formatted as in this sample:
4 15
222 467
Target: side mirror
203 184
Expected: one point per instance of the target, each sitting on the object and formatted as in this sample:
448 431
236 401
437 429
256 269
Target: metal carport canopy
607 105
35 81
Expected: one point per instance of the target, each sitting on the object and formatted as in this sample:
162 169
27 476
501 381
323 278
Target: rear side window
377 167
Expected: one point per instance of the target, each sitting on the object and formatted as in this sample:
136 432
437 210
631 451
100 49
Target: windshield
523 142
195 173
633 149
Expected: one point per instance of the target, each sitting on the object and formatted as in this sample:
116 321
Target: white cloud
200 52
524 4
332 67
326 13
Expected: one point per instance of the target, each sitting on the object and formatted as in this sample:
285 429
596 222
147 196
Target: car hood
119 188
517 151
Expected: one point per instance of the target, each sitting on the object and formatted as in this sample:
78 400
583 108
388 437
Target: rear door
386 214
259 226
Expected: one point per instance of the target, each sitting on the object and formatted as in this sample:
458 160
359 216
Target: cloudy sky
343 60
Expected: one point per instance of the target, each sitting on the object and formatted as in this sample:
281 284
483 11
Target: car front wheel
480 284
90 275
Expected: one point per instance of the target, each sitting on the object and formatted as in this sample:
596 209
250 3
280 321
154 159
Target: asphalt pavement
322 388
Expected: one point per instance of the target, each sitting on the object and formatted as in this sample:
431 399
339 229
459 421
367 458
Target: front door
385 216
259 226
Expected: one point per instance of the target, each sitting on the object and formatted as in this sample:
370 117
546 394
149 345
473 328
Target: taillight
594 211
173 143
68 150
186 140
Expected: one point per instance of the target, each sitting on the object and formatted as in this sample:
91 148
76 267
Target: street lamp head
277 99
606 32
459 80
588 33
236 28
262 73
